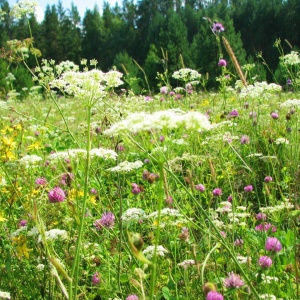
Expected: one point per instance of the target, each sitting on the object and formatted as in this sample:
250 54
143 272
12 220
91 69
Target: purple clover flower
217 192
96 279
200 187
261 216
238 243
164 90
265 262
248 188
56 195
41 181
245 139
266 227
273 244
222 63
268 179
233 114
107 220
274 115
213 295
135 189
132 297
23 223
233 281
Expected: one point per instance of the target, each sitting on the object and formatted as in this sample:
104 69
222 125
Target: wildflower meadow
182 193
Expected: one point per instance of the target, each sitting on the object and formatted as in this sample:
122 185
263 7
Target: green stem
73 285
157 232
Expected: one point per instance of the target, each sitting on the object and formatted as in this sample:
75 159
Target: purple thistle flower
245 139
217 27
96 279
217 192
229 198
200 187
172 93
41 181
132 297
107 220
248 188
265 262
233 281
273 244
222 63
274 115
268 179
56 195
213 295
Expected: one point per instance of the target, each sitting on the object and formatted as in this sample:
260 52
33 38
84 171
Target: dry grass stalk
234 60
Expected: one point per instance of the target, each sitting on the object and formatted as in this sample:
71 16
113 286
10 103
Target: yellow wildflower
23 251
34 146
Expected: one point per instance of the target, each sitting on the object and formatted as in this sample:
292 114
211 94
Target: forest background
157 37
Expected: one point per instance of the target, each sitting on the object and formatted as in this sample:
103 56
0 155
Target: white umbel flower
167 119
149 251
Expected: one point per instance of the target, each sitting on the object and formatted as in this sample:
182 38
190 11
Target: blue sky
82 5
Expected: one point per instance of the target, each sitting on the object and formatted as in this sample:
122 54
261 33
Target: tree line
161 36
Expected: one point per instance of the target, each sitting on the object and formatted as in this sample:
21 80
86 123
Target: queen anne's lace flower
133 215
149 251
23 8
126 166
30 160
168 119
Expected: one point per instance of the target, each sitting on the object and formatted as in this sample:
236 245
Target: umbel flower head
166 119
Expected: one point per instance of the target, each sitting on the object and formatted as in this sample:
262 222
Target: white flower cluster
186 263
260 90
169 119
81 153
186 75
54 234
30 161
276 208
169 216
4 295
268 279
267 296
126 166
282 141
243 259
170 212
88 84
149 251
133 215
291 103
23 8
66 66
291 58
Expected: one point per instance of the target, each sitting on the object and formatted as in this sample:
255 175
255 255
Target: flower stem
157 232
73 285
